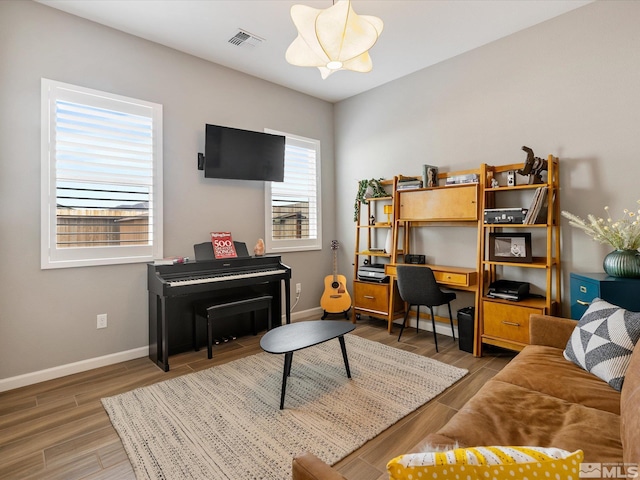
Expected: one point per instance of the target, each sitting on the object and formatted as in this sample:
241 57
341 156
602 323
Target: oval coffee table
291 337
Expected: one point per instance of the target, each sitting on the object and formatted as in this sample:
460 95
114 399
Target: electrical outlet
102 321
298 287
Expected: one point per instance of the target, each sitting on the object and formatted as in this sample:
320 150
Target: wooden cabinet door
372 297
440 204
507 322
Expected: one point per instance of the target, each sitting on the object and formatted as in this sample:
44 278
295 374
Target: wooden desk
460 278
457 278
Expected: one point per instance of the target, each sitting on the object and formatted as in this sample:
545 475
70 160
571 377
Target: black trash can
465 328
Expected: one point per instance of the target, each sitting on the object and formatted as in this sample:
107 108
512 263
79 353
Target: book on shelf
408 185
403 179
405 183
537 206
461 179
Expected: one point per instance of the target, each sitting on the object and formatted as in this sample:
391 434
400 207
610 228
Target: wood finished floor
59 430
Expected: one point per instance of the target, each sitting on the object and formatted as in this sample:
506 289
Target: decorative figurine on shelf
493 183
534 166
432 176
258 250
372 220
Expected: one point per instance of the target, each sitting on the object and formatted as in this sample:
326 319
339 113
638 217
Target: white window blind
101 178
293 206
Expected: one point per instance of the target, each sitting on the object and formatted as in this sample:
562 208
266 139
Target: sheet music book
223 245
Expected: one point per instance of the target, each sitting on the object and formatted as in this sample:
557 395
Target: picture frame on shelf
429 175
510 247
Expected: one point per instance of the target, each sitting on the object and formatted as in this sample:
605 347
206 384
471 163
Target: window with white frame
101 178
292 217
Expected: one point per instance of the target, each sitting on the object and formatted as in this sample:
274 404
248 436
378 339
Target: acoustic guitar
335 298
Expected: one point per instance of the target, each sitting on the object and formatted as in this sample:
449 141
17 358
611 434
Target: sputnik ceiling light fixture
333 39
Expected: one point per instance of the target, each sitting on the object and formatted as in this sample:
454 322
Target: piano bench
214 311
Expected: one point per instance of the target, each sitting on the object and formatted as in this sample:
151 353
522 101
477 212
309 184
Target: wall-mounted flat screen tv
242 154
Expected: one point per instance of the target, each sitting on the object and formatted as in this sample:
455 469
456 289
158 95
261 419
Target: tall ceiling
417 33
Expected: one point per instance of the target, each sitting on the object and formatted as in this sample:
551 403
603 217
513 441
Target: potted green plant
371 188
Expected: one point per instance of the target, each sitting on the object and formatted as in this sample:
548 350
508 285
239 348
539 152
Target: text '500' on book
223 245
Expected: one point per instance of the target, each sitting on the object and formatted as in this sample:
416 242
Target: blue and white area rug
225 422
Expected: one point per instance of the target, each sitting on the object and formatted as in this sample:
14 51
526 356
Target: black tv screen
243 155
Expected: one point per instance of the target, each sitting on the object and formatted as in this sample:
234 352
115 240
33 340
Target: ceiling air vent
245 39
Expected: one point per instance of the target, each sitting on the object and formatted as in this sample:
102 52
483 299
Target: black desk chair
417 286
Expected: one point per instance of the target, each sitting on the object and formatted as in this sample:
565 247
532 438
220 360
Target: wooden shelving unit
373 298
433 207
502 322
497 322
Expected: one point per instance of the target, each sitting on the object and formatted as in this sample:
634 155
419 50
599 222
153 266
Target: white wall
48 318
567 87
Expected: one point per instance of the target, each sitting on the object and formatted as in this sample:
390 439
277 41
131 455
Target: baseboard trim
91 363
71 368
425 325
305 314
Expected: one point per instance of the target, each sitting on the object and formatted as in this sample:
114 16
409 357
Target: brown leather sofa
541 399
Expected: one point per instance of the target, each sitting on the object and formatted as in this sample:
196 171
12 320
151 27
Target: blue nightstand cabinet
623 292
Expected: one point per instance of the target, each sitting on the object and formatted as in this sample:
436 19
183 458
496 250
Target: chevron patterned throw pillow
603 341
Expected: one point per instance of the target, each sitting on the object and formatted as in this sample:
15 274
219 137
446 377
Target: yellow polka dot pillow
488 463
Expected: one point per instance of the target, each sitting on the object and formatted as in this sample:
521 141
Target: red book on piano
223 245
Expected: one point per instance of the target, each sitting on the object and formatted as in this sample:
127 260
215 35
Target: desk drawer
372 297
508 322
443 275
622 292
449 278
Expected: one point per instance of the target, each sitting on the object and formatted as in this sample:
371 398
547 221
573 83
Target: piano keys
174 288
222 277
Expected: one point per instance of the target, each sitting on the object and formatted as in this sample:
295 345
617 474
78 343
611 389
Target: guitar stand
345 313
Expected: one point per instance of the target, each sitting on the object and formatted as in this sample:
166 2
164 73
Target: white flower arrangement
623 234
